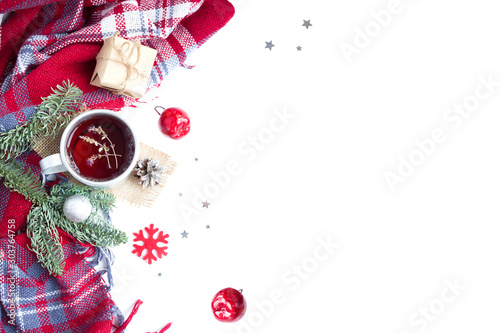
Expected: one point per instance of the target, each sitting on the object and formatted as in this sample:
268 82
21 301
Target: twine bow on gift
125 52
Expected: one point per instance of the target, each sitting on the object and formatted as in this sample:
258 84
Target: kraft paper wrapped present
123 66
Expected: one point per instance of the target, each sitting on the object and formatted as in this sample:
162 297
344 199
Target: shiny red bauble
229 305
174 122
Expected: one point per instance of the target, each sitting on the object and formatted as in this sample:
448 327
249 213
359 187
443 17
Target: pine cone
148 171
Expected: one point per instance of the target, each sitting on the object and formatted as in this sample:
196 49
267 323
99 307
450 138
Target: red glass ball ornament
229 305
173 122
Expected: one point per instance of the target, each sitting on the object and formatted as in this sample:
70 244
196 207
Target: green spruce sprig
17 179
54 112
99 199
96 230
45 239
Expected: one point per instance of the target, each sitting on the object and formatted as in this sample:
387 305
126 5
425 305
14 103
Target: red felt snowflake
150 244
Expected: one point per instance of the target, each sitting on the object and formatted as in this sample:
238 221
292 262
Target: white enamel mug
61 162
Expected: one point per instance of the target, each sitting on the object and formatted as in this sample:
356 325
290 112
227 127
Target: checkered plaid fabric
75 302
44 42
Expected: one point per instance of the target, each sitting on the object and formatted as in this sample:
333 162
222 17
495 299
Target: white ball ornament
77 208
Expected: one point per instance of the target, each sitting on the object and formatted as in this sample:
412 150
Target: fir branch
22 181
95 230
99 199
45 239
54 112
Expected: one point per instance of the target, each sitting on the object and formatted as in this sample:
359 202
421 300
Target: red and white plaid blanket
76 302
46 42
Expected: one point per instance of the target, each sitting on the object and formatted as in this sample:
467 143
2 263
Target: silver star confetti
205 204
307 24
269 45
184 234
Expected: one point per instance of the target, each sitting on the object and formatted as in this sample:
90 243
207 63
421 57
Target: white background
323 175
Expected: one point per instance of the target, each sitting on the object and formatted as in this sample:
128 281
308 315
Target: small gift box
123 66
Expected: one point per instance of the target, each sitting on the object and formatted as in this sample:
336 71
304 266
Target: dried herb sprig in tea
103 148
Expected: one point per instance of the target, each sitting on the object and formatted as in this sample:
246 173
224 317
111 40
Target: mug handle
52 164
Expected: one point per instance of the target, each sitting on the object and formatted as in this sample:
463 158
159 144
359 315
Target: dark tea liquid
100 148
